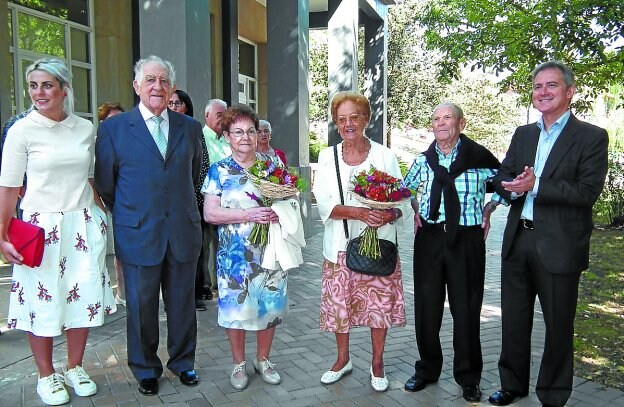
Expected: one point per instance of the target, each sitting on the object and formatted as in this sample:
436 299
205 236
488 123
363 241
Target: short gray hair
138 68
265 123
213 102
566 72
457 111
59 71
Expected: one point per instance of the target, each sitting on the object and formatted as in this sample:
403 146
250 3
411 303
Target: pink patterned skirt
350 299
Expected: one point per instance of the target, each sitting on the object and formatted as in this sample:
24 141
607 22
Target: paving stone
302 353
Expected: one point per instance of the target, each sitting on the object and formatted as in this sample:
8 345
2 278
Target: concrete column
230 51
180 33
375 78
287 86
342 32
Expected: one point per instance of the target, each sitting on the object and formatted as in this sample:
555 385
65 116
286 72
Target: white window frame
248 82
19 55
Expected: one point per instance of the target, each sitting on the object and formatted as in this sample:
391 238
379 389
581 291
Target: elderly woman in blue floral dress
251 298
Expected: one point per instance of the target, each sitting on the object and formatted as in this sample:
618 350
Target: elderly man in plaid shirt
451 224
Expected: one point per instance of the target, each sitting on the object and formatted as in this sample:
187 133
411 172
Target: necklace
353 157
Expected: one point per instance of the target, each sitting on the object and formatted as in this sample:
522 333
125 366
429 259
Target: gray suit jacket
570 184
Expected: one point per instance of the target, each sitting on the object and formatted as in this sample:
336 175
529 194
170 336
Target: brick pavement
301 351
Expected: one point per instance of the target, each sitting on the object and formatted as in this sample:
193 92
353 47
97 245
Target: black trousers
460 270
523 279
201 282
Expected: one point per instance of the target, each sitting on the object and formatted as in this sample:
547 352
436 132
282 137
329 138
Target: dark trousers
460 270
524 278
143 286
201 280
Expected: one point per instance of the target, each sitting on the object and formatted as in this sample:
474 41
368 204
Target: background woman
350 299
71 291
264 138
180 102
106 110
250 298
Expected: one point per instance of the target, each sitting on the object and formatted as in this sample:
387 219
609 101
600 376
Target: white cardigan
327 196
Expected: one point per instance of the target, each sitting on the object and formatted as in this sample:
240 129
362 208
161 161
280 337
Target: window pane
10 28
26 97
246 59
72 10
81 82
79 45
39 35
12 83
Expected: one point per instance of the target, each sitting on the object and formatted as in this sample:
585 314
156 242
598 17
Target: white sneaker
51 390
80 381
119 300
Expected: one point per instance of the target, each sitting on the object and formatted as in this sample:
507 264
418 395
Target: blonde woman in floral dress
350 299
70 292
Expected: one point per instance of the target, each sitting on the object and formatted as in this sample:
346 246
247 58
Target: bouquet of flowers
274 182
377 190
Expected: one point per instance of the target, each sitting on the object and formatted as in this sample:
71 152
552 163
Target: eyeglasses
238 133
355 118
177 103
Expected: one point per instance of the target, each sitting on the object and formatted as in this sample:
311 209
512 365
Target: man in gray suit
148 161
553 173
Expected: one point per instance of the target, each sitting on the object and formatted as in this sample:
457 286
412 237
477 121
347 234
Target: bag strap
344 221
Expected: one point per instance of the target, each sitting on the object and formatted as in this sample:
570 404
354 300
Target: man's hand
417 223
485 220
522 183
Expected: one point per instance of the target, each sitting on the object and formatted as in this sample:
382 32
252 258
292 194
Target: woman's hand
377 217
261 215
10 253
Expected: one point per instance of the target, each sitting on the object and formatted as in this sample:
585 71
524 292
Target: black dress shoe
189 378
149 387
504 397
200 305
472 393
417 383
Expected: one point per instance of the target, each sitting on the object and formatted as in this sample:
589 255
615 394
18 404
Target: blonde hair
360 100
59 71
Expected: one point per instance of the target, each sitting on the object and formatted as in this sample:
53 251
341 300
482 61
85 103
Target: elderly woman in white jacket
348 298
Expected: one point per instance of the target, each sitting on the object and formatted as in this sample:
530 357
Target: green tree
413 85
513 36
491 116
318 76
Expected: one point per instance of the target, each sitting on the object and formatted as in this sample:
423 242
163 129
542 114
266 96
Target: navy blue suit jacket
152 199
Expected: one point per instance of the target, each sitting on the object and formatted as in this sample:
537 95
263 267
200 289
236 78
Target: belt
527 224
442 225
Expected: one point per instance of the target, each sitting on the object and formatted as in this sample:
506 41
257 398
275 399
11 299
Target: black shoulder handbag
382 266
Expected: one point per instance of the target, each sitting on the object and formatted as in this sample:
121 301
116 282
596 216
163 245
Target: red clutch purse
28 240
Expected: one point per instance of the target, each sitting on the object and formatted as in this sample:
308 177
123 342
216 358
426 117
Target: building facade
242 51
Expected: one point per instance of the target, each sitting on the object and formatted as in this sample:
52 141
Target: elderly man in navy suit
147 163
552 175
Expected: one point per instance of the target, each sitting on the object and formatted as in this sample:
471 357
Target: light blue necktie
159 135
